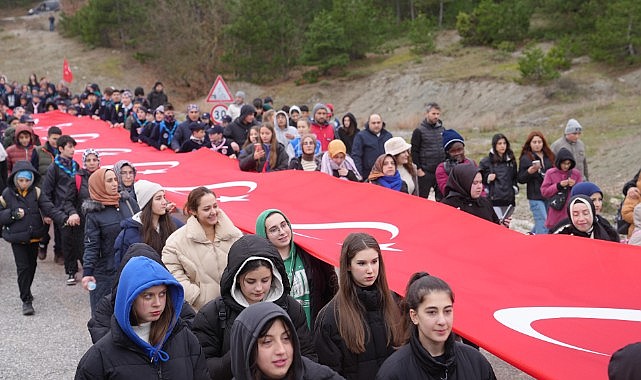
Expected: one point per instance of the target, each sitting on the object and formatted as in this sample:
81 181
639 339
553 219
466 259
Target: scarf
65 163
393 182
217 147
170 132
328 166
98 190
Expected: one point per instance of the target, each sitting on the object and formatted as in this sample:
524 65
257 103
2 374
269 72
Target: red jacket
17 152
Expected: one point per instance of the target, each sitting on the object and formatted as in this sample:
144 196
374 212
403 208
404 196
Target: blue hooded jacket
139 274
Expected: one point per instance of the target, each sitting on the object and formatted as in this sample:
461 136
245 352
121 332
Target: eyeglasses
275 230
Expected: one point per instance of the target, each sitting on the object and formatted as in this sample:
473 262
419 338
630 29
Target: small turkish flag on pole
67 75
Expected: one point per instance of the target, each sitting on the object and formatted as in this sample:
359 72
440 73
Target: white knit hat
145 191
572 126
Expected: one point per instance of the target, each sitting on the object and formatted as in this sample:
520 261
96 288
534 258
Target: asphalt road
49 344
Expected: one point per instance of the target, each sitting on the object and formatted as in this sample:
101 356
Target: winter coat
30 227
344 137
130 233
100 323
324 133
578 152
502 191
552 184
321 277
533 181
213 331
122 354
237 130
624 363
627 209
635 239
61 189
414 362
427 145
459 185
249 164
198 263
600 230
156 99
295 163
182 135
332 350
444 169
17 152
191 145
46 154
367 147
102 226
245 333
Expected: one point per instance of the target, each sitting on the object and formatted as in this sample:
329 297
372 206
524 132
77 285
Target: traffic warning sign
219 92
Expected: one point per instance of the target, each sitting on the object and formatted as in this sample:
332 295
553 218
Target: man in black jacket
61 186
238 129
427 150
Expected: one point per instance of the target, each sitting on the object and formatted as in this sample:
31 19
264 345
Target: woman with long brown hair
536 158
196 253
152 225
267 155
361 326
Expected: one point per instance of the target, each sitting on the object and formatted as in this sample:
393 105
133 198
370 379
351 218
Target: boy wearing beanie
20 208
454 147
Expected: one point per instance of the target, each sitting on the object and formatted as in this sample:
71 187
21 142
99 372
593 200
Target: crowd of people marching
192 297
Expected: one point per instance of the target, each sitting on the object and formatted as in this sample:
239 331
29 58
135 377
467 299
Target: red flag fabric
67 74
554 306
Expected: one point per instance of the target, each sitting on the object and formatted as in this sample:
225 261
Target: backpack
622 225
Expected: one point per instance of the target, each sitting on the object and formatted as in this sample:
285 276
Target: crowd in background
192 297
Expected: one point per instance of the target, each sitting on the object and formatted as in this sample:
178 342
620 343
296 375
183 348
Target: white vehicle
45 6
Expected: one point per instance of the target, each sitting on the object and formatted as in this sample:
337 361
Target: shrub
421 35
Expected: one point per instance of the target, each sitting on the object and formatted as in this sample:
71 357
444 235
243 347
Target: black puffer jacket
331 348
30 227
534 180
367 147
502 191
237 130
101 229
213 328
413 362
60 189
427 145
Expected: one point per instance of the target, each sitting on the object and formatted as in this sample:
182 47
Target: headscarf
98 190
460 181
328 165
86 153
393 182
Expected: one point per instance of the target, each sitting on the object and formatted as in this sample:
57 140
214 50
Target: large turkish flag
553 306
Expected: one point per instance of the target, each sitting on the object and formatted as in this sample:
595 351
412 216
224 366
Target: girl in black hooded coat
212 325
464 188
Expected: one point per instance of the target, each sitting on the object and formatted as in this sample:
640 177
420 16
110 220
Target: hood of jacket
246 331
19 130
244 250
563 155
139 274
20 166
352 120
281 112
460 179
261 230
